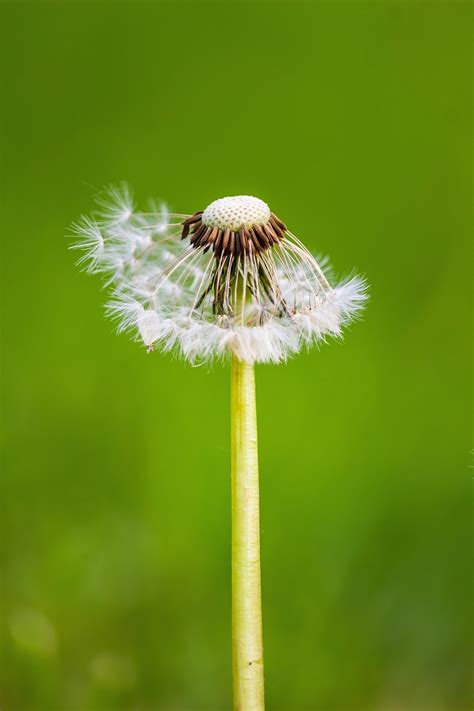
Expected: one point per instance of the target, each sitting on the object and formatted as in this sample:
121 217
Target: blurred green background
352 119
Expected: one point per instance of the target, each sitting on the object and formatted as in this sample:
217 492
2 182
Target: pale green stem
247 647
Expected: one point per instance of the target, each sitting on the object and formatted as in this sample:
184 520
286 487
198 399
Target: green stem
247 647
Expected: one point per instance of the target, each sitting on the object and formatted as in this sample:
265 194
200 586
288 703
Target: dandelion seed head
231 278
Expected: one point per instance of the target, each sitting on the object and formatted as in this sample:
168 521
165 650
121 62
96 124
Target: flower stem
247 647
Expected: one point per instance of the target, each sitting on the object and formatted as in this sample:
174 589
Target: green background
352 119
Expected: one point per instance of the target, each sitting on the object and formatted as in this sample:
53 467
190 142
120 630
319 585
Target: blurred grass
353 120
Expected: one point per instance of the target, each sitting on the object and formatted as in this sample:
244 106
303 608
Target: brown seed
255 240
199 228
271 233
225 239
197 236
243 238
266 235
218 242
232 242
239 243
274 224
213 235
204 238
193 218
198 233
280 224
185 232
264 241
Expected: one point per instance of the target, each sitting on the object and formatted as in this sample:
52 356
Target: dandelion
229 280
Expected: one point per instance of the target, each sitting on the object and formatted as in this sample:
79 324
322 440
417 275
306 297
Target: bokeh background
352 119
